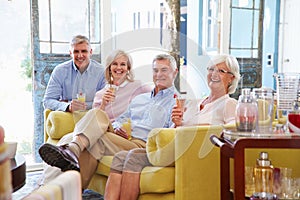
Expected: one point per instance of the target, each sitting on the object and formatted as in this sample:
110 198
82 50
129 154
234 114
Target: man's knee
118 161
136 161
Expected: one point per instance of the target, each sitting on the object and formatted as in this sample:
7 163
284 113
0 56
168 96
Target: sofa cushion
157 180
104 165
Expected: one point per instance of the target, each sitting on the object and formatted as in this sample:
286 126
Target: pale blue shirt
66 81
147 112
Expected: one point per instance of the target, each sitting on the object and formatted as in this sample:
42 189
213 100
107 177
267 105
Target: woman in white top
218 108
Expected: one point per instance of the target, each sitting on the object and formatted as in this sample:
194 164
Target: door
246 41
289 37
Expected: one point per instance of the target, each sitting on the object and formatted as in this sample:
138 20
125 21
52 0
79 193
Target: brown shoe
59 156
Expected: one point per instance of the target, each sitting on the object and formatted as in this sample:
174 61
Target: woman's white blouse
220 111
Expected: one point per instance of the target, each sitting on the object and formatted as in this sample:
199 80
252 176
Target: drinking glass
265 104
113 89
81 97
249 181
294 121
127 126
180 102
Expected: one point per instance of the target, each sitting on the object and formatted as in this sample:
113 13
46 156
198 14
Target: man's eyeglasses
219 71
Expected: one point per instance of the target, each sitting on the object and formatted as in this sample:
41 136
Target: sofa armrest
46 114
57 124
197 164
160 147
197 160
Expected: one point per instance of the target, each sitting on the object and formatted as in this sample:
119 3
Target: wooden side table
18 171
236 150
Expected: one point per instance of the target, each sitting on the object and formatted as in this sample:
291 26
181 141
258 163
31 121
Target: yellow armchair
186 167
195 161
59 123
185 163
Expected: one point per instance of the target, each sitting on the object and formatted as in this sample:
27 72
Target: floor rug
32 182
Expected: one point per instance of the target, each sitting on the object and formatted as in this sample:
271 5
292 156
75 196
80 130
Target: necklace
204 102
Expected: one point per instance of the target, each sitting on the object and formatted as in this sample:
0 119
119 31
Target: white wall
144 44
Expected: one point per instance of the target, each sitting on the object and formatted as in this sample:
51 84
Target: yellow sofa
186 164
183 174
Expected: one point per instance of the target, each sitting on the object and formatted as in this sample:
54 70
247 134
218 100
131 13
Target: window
58 23
245 45
209 29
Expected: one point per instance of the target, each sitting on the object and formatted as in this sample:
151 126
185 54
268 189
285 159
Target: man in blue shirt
94 135
79 75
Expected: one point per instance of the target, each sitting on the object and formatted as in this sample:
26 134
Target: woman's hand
177 115
121 132
108 96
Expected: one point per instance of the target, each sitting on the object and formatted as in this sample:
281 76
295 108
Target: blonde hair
110 59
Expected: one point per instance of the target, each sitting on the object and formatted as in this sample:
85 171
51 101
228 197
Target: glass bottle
246 114
263 175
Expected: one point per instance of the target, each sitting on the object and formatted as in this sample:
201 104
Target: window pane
83 18
242 3
44 20
96 48
212 25
241 53
95 21
61 48
255 31
68 22
44 47
257 2
212 35
241 30
244 53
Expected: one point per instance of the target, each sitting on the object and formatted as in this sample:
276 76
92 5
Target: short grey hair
166 57
233 66
79 39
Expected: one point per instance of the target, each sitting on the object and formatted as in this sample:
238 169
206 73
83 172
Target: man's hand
121 132
77 105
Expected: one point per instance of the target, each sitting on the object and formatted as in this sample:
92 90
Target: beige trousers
96 126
